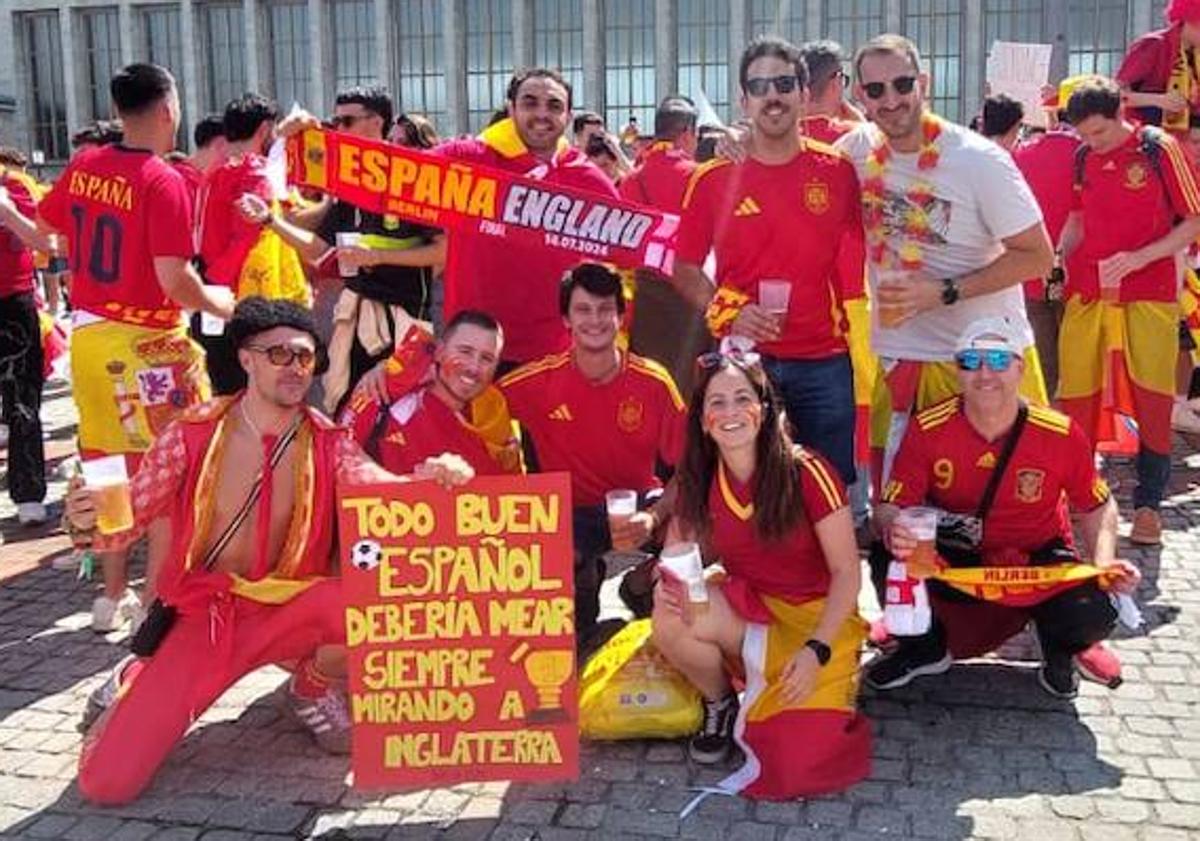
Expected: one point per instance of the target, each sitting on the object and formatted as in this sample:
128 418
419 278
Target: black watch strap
822 650
949 291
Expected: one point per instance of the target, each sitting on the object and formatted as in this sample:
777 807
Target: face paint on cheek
709 421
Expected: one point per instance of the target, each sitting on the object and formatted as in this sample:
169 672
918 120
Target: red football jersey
120 208
944 462
606 436
784 222
516 284
16 260
662 178
852 259
1048 164
421 426
192 176
225 238
793 568
1126 205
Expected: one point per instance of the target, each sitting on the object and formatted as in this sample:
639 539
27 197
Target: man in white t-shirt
952 229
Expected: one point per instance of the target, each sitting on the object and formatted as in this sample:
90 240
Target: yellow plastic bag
629 691
273 270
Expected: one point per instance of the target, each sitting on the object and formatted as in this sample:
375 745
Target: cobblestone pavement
978 753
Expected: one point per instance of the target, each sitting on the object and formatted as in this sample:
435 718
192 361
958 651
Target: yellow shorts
1144 333
130 382
938 381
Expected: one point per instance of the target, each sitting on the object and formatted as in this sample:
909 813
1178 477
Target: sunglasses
714 359
902 85
281 356
761 86
996 360
347 120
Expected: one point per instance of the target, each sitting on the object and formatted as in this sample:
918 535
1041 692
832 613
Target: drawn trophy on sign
547 671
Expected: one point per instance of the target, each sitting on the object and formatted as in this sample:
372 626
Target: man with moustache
951 228
606 416
780 216
432 397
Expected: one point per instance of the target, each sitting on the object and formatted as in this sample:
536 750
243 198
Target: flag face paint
481 201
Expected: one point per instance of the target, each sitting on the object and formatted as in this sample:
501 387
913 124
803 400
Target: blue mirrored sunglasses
973 360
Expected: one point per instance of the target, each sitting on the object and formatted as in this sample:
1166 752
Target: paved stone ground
978 753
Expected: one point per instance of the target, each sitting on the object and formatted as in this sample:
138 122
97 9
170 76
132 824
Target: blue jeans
818 396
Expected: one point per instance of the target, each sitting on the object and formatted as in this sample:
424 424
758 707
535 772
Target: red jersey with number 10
120 208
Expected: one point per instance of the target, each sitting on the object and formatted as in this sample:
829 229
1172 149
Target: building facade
451 59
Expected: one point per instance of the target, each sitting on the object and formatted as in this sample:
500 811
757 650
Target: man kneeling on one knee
1007 475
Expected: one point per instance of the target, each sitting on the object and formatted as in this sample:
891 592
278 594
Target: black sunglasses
761 86
281 356
902 85
347 120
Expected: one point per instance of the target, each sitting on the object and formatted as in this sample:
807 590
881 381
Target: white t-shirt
980 198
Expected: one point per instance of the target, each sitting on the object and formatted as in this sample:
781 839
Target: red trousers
198 660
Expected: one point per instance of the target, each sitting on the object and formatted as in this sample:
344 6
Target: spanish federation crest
630 415
816 197
1136 176
1029 485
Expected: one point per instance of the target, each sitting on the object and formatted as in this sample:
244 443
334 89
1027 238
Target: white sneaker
31 513
111 614
1184 418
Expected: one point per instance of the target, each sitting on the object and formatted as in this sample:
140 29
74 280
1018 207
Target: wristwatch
823 651
949 291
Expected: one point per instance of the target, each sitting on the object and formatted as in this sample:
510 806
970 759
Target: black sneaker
911 659
1057 676
712 744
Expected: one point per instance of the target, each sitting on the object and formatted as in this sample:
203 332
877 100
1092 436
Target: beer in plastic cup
347 239
921 523
683 561
621 505
773 296
108 480
889 316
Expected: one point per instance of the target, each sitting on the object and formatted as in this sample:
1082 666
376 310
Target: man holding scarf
1038 464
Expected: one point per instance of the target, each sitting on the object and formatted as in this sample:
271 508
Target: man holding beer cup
1018 470
246 484
608 417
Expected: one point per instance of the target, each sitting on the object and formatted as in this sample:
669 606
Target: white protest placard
1020 70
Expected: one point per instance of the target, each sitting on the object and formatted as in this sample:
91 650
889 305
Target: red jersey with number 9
120 208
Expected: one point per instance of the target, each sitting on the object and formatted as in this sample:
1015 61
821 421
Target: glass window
353 43
42 41
222 28
704 52
1096 37
163 45
558 42
287 34
778 17
853 22
936 28
629 77
489 58
420 69
100 37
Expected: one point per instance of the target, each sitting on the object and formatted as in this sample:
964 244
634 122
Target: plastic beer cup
683 561
347 239
773 296
921 523
621 505
109 482
890 316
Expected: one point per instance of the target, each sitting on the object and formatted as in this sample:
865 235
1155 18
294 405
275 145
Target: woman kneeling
776 515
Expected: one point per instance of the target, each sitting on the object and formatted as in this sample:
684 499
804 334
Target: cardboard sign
460 625
481 201
1020 70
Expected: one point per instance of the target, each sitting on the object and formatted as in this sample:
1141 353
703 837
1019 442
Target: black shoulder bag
959 536
161 616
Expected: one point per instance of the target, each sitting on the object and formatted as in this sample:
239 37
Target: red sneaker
1100 664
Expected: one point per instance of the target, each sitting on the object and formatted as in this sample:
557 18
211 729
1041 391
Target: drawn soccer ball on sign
365 555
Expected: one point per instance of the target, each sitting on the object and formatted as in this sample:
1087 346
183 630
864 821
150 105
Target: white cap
992 333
